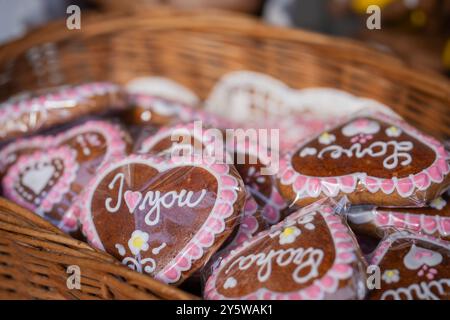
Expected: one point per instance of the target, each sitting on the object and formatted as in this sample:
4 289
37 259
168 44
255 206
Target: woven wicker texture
195 49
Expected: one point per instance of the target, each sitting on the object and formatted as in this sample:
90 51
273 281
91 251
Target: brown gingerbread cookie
47 173
412 267
309 255
372 159
162 216
433 220
28 113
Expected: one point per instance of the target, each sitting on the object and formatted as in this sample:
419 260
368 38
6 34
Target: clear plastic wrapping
410 266
160 214
28 113
312 254
46 173
433 220
372 158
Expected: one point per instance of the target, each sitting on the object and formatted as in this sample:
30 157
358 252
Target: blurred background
417 31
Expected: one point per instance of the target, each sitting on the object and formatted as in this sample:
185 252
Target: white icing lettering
153 200
307 261
376 149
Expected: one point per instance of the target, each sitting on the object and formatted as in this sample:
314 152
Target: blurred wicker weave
195 49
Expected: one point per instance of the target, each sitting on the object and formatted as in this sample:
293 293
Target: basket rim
91 257
226 22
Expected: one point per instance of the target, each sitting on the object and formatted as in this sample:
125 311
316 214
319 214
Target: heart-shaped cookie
29 113
162 216
46 173
372 159
412 267
433 220
309 255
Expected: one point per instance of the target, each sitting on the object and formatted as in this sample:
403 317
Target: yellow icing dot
390 273
138 242
288 231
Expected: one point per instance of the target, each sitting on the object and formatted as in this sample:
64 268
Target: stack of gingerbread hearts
46 173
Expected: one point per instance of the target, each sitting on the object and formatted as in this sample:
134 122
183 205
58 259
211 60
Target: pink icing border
275 203
56 193
383 247
345 253
309 186
12 110
249 224
112 133
203 239
415 222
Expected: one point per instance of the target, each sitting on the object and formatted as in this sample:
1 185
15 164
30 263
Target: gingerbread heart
29 113
46 173
309 255
412 267
162 216
433 220
372 159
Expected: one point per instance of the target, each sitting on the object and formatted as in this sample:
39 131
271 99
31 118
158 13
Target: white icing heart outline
116 147
172 272
37 179
379 253
57 191
313 187
412 262
341 269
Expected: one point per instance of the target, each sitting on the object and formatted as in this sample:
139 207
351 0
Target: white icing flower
289 235
393 132
138 242
391 276
364 126
306 221
438 203
230 283
327 138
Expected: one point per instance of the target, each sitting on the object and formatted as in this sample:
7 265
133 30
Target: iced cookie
412 267
309 255
154 110
162 216
433 220
371 159
46 173
29 113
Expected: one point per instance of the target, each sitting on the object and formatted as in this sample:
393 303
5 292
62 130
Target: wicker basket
195 49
